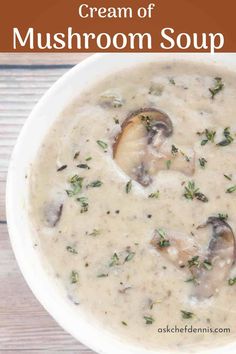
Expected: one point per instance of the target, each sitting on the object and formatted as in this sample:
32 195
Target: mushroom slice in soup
210 268
180 247
143 147
220 256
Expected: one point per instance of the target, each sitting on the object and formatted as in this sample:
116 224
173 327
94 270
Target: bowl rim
93 337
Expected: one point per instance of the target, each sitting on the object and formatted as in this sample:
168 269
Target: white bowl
20 230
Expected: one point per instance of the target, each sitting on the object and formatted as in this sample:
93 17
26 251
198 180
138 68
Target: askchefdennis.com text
192 329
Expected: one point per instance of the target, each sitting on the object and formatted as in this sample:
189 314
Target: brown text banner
118 25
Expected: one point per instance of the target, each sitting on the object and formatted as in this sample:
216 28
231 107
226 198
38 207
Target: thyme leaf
94 184
228 139
71 250
232 281
128 186
74 277
75 184
102 144
209 136
149 320
114 260
186 314
202 162
231 189
154 195
192 192
163 242
84 204
194 262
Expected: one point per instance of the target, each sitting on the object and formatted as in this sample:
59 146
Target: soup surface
133 196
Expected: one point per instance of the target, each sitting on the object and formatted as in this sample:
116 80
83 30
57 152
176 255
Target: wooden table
25 327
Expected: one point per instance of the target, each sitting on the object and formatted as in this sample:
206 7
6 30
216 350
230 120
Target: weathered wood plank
42 58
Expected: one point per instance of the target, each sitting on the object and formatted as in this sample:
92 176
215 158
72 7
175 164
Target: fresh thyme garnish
191 192
209 136
217 88
124 323
163 242
191 280
128 187
83 165
231 189
154 195
202 162
149 320
207 264
84 204
94 184
102 275
172 81
223 216
71 250
76 185
232 281
130 256
201 197
194 262
228 139
76 155
74 277
229 177
63 167
174 150
168 163
186 314
95 233
102 144
88 158
114 260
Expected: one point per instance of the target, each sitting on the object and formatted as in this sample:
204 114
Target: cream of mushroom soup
133 196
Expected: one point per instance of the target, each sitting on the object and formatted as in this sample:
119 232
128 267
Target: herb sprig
217 87
228 139
163 242
187 314
76 183
192 192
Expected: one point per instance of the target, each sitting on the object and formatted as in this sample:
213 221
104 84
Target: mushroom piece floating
178 248
220 256
208 268
143 147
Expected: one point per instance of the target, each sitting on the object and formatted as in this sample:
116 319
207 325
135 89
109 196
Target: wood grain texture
25 327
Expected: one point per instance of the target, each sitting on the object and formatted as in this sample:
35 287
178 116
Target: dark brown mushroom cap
131 149
159 121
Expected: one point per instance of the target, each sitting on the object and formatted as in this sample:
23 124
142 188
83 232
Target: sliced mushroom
209 268
53 212
142 148
181 247
220 254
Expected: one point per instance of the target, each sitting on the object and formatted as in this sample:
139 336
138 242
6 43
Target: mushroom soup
133 196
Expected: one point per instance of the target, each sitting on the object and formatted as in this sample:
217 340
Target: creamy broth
140 253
